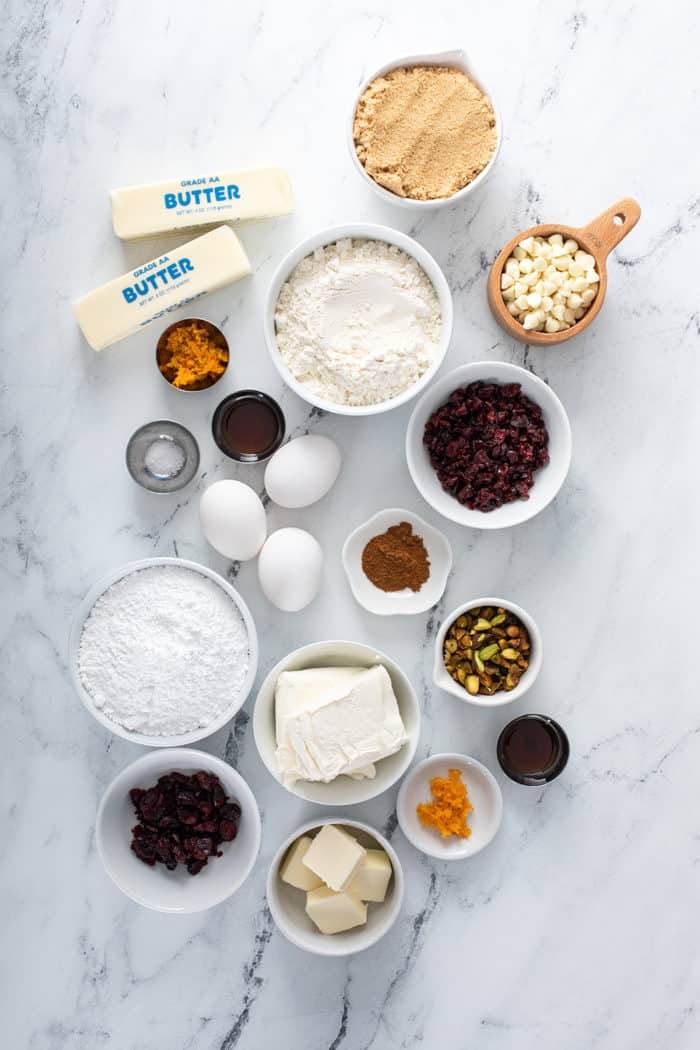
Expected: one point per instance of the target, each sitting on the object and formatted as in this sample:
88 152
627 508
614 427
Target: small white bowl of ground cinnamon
397 563
425 131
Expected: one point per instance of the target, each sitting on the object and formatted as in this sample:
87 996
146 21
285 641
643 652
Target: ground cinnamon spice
396 559
449 808
192 355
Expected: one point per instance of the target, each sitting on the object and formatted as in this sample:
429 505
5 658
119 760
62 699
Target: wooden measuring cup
598 238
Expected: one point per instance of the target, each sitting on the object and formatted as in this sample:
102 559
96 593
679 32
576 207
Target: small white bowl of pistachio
488 652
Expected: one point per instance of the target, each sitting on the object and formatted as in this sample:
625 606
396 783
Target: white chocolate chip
547 304
525 265
534 300
558 311
526 246
508 294
556 238
588 296
522 302
551 325
571 246
519 252
574 302
514 309
512 268
506 281
531 320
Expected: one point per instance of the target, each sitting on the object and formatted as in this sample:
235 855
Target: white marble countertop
577 928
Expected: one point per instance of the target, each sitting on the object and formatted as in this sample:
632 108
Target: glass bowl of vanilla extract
248 426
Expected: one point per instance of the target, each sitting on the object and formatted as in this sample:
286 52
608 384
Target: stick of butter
334 856
371 880
190 204
120 308
335 912
294 871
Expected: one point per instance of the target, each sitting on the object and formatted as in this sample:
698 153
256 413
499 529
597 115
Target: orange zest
449 808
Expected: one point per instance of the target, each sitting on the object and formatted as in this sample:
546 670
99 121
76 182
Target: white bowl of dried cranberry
507 429
178 891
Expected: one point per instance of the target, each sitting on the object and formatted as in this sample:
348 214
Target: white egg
233 519
302 471
289 569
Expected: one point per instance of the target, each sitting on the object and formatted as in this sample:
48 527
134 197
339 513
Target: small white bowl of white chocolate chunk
335 886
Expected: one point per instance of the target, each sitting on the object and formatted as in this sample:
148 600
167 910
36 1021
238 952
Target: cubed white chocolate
294 872
335 912
334 856
373 876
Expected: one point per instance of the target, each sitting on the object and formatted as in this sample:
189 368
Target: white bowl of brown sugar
425 131
396 563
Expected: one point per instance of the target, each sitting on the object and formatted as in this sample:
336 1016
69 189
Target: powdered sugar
164 651
358 322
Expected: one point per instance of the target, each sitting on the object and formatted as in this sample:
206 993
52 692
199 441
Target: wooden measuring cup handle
607 230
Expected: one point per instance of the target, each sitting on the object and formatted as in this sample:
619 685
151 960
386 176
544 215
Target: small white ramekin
457 59
287 904
368 232
443 680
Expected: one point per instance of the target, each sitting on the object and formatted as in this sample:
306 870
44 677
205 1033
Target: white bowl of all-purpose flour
163 652
358 319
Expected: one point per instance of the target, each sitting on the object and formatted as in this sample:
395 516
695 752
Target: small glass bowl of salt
162 456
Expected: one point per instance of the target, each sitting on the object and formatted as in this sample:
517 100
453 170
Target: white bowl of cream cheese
382 309
344 790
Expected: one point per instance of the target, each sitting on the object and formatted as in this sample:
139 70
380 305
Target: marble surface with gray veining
578 927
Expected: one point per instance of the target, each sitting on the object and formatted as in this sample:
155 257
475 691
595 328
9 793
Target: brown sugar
424 132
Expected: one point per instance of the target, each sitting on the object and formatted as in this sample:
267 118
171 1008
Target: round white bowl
175 891
484 795
287 904
406 602
343 791
458 59
443 679
180 739
369 232
548 479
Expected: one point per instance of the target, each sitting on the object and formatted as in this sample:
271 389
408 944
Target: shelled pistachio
487 650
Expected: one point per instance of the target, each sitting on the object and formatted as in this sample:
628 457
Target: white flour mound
164 651
358 322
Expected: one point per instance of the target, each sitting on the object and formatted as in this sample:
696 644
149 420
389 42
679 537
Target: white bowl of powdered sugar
163 652
358 319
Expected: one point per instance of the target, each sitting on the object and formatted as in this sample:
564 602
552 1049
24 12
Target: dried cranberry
183 820
485 443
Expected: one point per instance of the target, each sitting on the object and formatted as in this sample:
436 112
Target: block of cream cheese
151 291
294 872
206 200
335 720
371 880
334 856
335 912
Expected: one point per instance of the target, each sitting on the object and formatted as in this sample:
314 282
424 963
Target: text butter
189 204
125 305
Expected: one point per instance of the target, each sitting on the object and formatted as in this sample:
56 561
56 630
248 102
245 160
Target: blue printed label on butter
207 195
162 277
